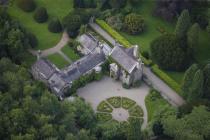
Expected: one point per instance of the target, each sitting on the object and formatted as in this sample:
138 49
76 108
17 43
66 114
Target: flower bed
115 101
136 111
103 117
104 107
127 103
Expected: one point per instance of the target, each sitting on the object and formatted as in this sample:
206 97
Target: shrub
137 83
126 86
41 15
134 23
55 26
127 103
116 4
145 54
32 40
26 5
115 22
162 75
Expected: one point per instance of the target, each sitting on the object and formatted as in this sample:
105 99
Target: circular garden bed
119 109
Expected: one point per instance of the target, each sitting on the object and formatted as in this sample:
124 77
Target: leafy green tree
134 23
117 4
134 131
195 126
134 2
32 40
206 72
169 53
41 15
208 27
183 24
84 4
188 78
193 36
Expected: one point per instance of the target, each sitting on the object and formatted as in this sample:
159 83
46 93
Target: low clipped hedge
136 111
103 117
104 107
168 80
127 103
113 33
115 101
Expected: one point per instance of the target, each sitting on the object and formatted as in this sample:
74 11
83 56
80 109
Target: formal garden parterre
121 109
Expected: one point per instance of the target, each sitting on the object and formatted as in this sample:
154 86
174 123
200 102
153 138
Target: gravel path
98 91
170 95
44 53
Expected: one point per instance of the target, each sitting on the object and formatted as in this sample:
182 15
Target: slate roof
83 65
88 41
44 67
123 58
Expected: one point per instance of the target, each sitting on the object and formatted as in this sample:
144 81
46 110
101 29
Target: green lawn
58 60
46 39
152 23
202 54
154 102
70 53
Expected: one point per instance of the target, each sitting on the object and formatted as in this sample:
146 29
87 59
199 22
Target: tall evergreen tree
188 78
206 72
193 36
196 90
183 24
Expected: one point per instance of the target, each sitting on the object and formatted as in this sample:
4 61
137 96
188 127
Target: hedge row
119 38
173 84
113 33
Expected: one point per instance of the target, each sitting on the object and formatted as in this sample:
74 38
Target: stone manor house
126 65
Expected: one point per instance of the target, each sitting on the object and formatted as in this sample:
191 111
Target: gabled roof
88 41
123 58
44 67
82 66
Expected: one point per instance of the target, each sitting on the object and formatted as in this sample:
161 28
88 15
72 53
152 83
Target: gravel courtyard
96 92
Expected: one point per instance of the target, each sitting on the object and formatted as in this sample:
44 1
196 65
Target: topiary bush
26 5
134 23
41 15
32 40
55 26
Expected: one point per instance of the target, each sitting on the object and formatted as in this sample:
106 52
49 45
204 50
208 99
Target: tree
134 23
194 126
32 39
117 4
182 24
208 27
55 26
169 53
193 36
206 72
72 24
41 15
84 4
157 128
188 78
134 2
26 5
196 90
134 131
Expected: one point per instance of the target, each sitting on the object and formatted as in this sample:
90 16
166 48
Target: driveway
98 91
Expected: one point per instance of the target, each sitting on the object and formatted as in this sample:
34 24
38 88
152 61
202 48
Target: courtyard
96 92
